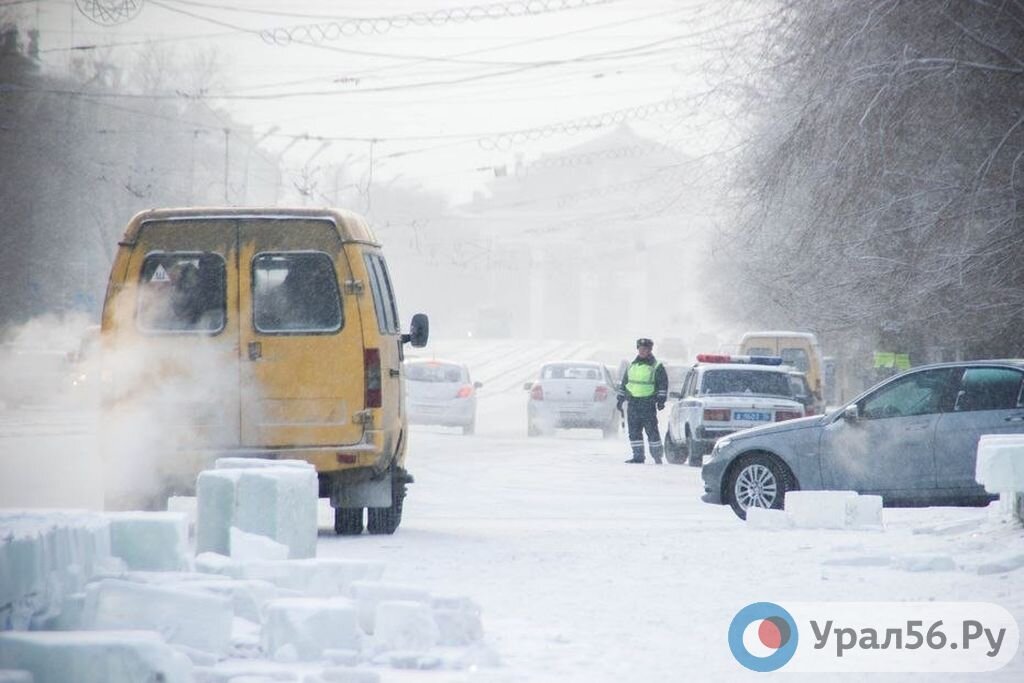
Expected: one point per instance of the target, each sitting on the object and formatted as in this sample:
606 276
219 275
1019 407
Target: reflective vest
640 379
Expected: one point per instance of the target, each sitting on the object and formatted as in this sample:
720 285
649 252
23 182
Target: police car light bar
726 358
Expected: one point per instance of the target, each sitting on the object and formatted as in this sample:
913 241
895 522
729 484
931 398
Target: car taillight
465 391
371 364
600 393
537 392
716 415
781 415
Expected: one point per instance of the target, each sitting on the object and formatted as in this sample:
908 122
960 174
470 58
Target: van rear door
301 344
178 326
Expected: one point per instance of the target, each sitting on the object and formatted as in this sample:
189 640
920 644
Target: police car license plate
751 416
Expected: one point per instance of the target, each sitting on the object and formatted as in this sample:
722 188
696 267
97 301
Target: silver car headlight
707 458
722 443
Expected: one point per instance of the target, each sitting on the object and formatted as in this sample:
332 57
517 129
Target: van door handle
1014 418
255 350
395 373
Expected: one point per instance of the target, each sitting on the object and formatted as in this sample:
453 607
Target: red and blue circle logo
763 636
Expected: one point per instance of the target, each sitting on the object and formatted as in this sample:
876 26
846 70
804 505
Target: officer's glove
618 405
661 405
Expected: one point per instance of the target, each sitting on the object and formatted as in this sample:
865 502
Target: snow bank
405 626
100 657
276 499
999 467
305 627
313 577
150 541
246 546
1000 463
369 594
132 606
458 620
186 505
833 510
183 616
247 597
45 557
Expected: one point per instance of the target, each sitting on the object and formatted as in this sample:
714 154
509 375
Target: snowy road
588 569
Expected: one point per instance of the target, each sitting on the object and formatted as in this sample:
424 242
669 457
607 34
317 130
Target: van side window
295 292
181 292
383 297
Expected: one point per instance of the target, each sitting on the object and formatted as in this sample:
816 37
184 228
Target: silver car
912 439
569 395
440 393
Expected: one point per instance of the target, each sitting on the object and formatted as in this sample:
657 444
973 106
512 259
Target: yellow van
799 349
263 333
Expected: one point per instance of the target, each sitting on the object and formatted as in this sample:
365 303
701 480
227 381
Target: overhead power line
574 126
336 30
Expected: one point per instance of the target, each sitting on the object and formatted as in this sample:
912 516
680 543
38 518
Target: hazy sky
438 93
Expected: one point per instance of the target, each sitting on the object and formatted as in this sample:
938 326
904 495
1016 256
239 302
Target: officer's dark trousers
641 415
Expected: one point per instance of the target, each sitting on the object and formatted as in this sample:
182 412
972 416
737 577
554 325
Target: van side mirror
850 413
477 385
419 331
528 386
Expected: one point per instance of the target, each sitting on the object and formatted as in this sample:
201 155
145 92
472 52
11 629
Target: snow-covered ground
587 569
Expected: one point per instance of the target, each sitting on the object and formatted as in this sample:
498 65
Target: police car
722 394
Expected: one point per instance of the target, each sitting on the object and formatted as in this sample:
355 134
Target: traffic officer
645 386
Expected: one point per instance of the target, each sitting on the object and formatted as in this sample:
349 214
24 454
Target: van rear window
796 357
295 292
181 292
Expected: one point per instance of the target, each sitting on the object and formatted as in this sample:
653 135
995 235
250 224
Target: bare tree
883 184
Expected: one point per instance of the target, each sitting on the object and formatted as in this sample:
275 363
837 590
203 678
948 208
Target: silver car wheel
756 486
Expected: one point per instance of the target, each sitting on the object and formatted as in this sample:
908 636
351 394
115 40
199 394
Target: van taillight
537 392
465 391
371 363
783 415
600 392
716 415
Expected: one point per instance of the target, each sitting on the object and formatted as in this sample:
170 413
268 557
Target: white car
723 394
439 392
572 394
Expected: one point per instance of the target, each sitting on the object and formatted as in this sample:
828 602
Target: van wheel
386 520
348 521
